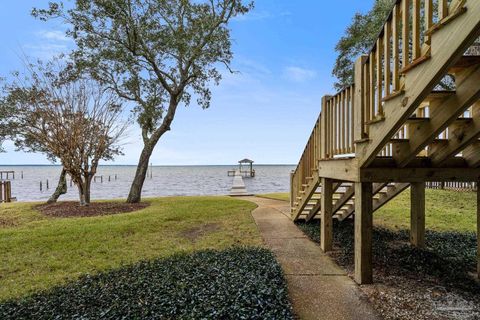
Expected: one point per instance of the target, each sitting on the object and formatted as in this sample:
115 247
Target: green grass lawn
40 252
275 196
445 210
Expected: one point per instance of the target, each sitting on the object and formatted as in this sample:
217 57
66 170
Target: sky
284 51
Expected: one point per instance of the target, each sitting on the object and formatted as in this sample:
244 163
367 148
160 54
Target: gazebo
249 172
245 167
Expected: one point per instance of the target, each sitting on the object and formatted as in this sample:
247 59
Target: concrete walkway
318 288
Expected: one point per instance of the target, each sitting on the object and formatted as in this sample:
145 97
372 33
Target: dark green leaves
358 39
238 283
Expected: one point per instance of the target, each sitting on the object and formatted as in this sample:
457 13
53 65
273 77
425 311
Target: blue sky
284 51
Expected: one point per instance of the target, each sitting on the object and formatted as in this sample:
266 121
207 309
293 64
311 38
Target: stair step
416 120
464 63
440 94
378 119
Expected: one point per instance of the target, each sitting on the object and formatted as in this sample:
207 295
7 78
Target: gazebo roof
245 161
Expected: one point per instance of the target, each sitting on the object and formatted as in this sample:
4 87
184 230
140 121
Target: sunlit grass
38 252
445 210
275 196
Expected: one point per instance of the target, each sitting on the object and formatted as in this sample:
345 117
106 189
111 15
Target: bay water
161 181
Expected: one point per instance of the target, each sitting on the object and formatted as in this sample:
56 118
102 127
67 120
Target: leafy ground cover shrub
236 283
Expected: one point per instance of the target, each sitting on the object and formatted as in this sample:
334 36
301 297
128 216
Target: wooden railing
308 162
338 122
403 44
5 191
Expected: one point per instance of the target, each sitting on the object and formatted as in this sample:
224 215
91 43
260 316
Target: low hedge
237 283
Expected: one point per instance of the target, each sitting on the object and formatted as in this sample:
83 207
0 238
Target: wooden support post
359 104
324 122
417 214
292 195
478 232
363 233
326 224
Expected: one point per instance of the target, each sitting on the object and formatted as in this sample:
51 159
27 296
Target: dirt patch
193 234
6 223
73 209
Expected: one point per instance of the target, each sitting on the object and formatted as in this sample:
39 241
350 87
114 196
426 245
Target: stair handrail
391 57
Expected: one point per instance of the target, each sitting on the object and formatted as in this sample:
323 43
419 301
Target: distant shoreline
134 165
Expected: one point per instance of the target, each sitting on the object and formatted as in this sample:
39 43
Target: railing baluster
405 33
337 123
352 122
443 9
342 122
366 96
387 52
395 46
416 52
372 86
327 129
347 120
330 128
428 19
379 77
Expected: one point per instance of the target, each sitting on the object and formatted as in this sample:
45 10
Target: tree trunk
88 183
81 193
135 195
61 187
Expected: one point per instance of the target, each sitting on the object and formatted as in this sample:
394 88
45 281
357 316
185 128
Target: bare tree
77 122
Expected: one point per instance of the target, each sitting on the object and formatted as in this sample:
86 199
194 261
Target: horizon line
158 165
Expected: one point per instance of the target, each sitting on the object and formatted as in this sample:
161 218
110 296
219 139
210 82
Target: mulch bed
434 283
73 209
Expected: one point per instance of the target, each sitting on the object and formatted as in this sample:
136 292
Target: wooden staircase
393 128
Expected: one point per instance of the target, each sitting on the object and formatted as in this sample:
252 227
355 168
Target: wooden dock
238 187
6 191
5 175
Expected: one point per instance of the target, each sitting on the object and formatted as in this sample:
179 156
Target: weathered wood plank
326 224
363 233
419 174
417 214
339 169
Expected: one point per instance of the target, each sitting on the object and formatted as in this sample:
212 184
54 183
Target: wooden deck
392 129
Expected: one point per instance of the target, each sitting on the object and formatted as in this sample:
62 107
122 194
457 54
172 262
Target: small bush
237 283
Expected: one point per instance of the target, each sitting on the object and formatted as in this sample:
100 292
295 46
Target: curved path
318 287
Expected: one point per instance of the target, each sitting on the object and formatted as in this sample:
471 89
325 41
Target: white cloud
48 43
54 35
261 15
298 74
